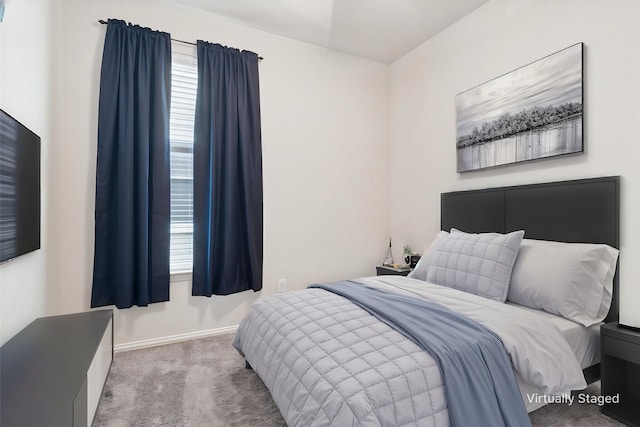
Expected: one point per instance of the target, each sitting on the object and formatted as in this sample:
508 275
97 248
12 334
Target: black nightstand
384 270
620 368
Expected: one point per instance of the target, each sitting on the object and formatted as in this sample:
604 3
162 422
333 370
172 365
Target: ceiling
381 30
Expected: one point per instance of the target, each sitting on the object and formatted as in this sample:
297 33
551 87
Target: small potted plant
407 251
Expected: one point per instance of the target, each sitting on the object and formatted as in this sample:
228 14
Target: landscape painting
530 113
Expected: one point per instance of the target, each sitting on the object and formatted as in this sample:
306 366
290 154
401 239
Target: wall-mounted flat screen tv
19 189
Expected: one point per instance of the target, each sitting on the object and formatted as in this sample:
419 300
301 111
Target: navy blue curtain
131 260
227 173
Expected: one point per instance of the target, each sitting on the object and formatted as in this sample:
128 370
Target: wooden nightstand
620 367
384 270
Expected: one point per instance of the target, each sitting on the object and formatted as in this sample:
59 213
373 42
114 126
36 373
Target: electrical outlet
282 285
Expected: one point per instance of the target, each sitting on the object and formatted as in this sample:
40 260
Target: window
184 83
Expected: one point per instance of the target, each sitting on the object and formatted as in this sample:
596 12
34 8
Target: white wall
497 38
25 93
325 154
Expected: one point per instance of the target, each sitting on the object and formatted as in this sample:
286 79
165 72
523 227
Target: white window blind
184 83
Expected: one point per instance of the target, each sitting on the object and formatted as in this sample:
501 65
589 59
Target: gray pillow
573 280
480 264
421 268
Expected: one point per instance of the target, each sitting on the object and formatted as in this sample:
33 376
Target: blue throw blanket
479 382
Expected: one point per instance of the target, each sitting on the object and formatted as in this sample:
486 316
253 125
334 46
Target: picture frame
530 113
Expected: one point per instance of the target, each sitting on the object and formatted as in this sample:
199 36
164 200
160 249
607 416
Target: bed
330 355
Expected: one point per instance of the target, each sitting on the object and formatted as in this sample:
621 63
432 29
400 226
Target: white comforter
326 361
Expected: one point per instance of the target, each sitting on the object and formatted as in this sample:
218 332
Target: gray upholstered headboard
579 211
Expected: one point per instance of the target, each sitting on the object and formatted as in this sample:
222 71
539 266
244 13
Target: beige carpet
204 383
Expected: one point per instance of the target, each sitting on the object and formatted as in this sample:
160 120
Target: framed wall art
530 113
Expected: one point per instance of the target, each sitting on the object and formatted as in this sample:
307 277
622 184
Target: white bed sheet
584 341
533 346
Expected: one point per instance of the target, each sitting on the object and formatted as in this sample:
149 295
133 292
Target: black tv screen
19 189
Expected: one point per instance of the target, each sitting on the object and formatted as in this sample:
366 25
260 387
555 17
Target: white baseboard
173 338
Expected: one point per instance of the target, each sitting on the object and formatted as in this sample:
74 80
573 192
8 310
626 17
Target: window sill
180 276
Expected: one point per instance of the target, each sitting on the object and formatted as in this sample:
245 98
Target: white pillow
573 280
480 264
421 268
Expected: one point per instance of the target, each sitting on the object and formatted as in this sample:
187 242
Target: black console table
54 370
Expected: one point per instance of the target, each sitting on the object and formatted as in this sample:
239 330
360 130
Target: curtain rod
103 22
